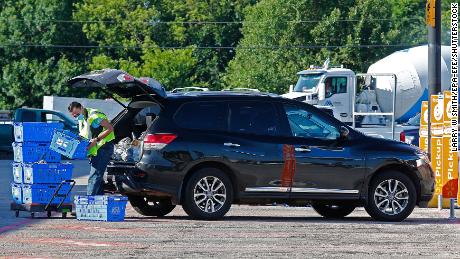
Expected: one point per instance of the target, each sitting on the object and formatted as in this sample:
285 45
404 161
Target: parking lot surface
246 231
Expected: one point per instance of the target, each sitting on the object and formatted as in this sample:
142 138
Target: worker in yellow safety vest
94 126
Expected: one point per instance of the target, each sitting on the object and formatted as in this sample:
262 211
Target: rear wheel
392 197
151 206
332 210
208 194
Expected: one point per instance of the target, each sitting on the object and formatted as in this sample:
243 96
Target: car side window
51 117
335 85
257 118
202 116
28 116
306 124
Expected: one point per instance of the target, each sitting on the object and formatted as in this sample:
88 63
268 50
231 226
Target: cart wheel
64 215
16 213
32 215
48 213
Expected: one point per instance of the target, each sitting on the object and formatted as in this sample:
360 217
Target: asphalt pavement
246 231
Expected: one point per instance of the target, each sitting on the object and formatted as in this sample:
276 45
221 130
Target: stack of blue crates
37 171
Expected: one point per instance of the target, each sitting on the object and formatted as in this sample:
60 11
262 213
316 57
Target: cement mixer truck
347 93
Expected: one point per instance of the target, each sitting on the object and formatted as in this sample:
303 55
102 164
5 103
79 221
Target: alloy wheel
391 197
210 194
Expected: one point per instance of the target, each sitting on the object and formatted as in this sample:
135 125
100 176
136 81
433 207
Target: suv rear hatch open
121 83
112 81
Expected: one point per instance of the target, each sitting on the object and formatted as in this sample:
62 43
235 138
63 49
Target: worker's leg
98 166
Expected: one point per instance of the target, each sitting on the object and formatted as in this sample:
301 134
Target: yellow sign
436 162
449 158
423 131
437 125
430 13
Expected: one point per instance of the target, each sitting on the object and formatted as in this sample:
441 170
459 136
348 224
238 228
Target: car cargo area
130 127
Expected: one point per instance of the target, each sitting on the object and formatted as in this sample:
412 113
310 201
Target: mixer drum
411 69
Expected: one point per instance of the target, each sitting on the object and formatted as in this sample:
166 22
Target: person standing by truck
94 126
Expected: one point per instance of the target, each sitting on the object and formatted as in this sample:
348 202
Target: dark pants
98 165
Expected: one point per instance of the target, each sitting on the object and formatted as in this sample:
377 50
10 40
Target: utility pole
433 21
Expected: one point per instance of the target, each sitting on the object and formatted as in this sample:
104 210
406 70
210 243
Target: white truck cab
326 88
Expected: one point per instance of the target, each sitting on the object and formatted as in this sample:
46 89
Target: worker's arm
108 129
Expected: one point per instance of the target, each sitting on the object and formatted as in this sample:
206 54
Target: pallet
34 208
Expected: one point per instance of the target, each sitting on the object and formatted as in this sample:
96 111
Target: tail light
123 78
158 140
402 136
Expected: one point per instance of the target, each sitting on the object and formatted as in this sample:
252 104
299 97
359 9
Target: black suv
209 150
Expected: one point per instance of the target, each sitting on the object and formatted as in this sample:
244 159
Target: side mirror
321 91
291 88
344 132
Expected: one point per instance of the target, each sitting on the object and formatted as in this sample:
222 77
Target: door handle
302 149
228 144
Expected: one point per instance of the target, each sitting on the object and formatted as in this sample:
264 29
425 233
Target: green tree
221 28
125 32
171 67
281 38
276 42
30 63
25 81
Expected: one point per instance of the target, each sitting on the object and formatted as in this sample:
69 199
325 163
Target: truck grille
301 98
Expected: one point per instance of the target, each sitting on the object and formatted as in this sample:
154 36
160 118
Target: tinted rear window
28 116
203 116
257 118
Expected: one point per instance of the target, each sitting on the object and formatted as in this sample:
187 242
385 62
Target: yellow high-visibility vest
89 131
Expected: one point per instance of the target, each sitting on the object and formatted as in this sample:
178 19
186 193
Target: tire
331 210
151 206
392 197
203 203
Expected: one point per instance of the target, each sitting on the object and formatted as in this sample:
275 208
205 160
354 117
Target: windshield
307 82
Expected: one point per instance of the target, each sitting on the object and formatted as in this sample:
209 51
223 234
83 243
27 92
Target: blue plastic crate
42 193
34 151
70 145
35 131
100 208
16 192
18 176
46 172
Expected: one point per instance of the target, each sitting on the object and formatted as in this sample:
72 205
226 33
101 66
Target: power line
153 22
405 45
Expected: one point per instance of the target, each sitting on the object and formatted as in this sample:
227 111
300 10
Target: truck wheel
333 211
208 194
151 206
392 197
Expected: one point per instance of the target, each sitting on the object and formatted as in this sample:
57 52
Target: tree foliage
352 33
215 43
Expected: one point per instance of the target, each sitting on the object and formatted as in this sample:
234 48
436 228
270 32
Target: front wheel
151 206
331 210
208 194
392 197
